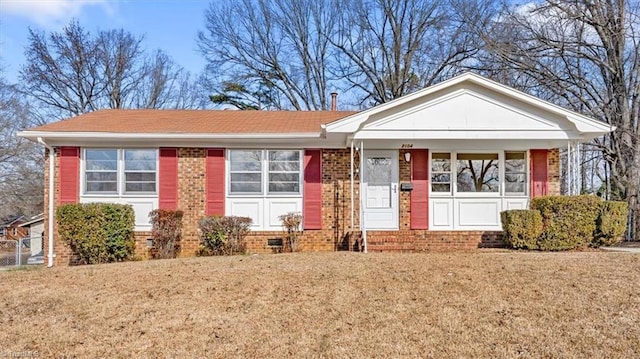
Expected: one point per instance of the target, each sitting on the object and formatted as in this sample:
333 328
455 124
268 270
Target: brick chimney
334 101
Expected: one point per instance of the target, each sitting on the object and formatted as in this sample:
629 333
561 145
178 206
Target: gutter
51 203
180 136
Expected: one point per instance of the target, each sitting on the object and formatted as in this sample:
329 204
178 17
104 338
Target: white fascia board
304 140
467 135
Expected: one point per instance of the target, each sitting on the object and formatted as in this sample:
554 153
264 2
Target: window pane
286 166
245 160
514 187
283 177
101 176
441 162
284 156
284 187
441 178
478 172
139 160
440 187
379 170
140 176
140 187
514 162
515 183
101 167
246 177
110 187
245 187
246 182
101 160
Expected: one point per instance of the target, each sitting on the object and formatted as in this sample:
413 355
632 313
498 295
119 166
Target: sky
168 25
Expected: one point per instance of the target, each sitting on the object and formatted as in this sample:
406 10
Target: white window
478 172
101 171
284 172
2 231
120 171
245 171
264 172
515 172
140 171
441 172
263 185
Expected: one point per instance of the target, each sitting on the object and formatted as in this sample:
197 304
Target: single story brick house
430 170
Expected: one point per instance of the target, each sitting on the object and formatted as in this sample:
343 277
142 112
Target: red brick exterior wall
553 164
336 213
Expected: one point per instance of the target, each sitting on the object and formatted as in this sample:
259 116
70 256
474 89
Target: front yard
499 304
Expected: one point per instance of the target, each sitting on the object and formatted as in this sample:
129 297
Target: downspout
569 169
51 194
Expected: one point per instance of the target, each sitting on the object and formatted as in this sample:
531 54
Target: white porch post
352 185
363 225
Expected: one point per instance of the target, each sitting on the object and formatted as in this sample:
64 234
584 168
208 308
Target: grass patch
444 305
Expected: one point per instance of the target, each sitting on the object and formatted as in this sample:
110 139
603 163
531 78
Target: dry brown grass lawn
496 304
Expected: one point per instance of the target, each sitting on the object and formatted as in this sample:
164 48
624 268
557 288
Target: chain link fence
14 252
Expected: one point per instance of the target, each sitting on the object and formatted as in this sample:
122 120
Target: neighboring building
10 228
35 229
430 170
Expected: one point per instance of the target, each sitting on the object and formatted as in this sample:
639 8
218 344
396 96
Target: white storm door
380 197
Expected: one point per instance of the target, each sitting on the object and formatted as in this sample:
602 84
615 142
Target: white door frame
394 210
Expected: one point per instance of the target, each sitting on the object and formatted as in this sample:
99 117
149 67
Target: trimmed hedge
166 232
522 228
611 223
568 221
223 235
97 232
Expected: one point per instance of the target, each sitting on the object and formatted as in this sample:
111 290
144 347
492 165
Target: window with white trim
120 171
284 172
441 172
101 170
479 172
515 172
264 172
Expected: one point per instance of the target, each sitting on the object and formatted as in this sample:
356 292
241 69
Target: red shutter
168 178
420 192
69 174
539 173
312 200
215 182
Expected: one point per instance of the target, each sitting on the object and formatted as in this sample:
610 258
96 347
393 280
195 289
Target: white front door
380 190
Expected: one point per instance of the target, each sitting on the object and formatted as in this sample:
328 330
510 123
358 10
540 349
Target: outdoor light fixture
407 156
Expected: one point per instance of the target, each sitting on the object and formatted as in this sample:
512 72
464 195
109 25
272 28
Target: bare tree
388 48
75 72
584 55
21 175
62 70
278 44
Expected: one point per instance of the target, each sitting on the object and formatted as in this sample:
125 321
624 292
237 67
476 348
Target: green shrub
223 235
291 224
611 223
166 233
522 228
568 221
97 232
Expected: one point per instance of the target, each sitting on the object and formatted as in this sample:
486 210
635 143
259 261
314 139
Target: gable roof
194 122
9 221
586 126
